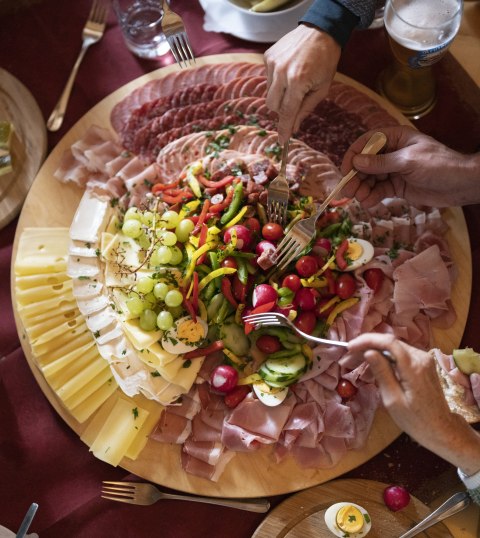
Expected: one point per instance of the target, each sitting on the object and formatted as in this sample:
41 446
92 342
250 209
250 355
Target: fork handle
56 117
251 505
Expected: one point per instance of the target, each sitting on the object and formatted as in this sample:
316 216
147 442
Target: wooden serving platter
302 515
51 204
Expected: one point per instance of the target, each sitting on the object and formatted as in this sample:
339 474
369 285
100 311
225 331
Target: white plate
221 16
29 145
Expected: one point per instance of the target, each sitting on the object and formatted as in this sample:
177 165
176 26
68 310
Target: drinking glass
419 32
141 24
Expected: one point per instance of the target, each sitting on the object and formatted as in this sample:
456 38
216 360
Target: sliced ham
171 428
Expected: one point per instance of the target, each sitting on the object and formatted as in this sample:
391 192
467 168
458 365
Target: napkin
6 533
220 16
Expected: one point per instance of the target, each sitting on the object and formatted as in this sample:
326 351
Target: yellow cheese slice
70 358
140 339
42 250
94 401
76 382
34 281
103 378
154 411
50 353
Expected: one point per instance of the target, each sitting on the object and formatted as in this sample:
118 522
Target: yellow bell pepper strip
313 282
233 357
253 378
223 271
237 218
192 181
329 304
201 241
235 205
340 308
195 255
188 208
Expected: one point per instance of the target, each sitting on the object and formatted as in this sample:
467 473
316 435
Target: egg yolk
190 332
349 519
354 250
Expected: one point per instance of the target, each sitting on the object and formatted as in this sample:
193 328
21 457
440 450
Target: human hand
413 166
300 69
412 394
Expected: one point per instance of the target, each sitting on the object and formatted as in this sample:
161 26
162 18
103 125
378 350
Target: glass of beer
419 32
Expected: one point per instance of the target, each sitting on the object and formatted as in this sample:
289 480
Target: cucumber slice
291 366
234 338
467 360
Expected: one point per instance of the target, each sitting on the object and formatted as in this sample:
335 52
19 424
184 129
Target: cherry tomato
272 231
230 262
268 344
324 243
252 224
374 278
239 289
292 282
304 299
306 321
345 389
306 266
345 286
235 396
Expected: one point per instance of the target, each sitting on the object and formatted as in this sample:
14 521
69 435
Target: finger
275 94
388 384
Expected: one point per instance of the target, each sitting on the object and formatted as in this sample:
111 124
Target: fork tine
293 255
285 251
118 490
129 484
188 50
173 49
118 499
98 12
182 49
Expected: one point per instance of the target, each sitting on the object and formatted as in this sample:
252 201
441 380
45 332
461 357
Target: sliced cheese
94 401
139 338
91 216
77 382
41 293
34 281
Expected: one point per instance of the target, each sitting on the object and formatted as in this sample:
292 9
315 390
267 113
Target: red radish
224 378
235 396
304 299
396 498
263 294
306 266
263 246
244 236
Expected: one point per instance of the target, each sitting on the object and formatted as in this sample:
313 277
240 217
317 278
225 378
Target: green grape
168 238
150 300
169 219
184 229
160 290
135 305
132 228
163 255
173 298
148 320
176 311
132 213
144 241
177 256
147 218
164 320
145 284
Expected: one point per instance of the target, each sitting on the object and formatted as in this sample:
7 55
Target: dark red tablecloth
41 459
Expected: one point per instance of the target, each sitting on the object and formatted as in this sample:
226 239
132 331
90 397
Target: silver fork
278 191
177 38
275 319
92 32
303 231
146 494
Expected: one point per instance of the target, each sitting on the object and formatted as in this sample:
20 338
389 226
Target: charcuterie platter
52 205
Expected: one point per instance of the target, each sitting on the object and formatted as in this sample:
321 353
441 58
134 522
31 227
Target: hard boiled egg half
268 395
185 335
359 253
348 519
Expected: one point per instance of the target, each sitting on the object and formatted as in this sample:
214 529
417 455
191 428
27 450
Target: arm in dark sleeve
340 17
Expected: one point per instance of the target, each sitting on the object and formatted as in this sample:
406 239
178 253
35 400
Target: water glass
141 24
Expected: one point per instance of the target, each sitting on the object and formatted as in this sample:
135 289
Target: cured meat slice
218 73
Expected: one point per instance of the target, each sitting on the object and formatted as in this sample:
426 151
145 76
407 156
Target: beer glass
419 32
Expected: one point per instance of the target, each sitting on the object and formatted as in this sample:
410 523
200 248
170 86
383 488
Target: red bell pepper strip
215 184
226 287
204 351
340 202
340 255
217 208
175 196
201 241
158 187
202 217
267 307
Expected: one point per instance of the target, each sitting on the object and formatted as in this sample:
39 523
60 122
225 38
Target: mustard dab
349 519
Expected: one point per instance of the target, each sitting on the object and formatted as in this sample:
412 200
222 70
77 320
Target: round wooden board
28 148
302 515
248 474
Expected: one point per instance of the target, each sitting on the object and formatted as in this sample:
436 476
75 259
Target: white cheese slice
90 218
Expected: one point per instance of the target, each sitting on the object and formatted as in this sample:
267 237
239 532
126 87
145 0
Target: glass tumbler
141 25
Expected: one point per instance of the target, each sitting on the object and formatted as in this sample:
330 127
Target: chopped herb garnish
187 364
83 277
135 412
155 373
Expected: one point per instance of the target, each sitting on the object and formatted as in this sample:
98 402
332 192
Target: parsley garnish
135 412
